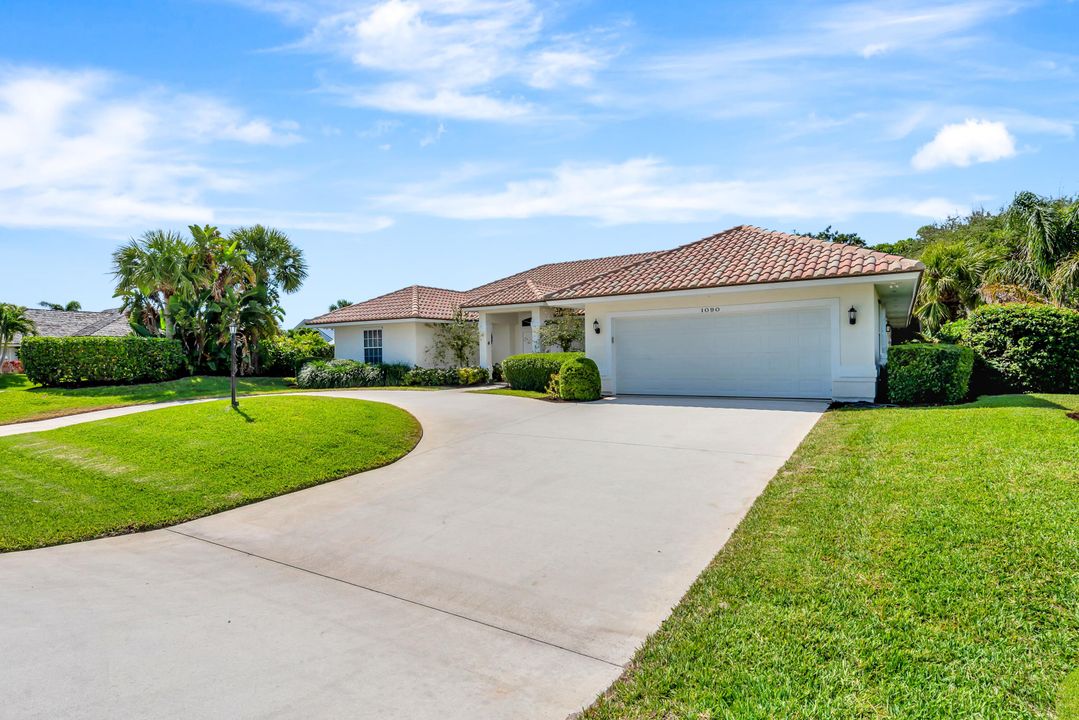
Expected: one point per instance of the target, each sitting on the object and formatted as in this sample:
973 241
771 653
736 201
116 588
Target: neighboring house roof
325 333
743 255
65 323
413 302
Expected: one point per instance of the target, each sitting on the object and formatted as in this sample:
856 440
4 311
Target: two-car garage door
773 353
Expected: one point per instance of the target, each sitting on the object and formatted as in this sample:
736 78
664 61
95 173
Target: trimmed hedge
533 371
344 373
929 373
75 361
579 380
1024 347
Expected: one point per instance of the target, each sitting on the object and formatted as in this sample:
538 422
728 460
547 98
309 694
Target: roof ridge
105 317
825 243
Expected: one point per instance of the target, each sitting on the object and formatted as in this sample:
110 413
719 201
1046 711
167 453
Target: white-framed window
372 346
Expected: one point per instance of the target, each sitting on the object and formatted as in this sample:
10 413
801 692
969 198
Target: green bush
532 371
472 375
579 380
954 332
1027 347
431 377
74 361
285 354
340 373
929 373
394 373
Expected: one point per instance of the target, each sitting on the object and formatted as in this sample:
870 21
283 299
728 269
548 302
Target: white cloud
648 190
433 137
966 143
447 58
78 151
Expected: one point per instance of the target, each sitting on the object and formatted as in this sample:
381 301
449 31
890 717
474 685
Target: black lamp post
232 373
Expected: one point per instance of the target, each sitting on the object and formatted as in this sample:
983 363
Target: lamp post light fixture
595 326
853 314
232 351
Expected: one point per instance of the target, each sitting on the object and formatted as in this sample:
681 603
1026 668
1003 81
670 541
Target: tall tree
149 271
339 304
71 306
13 321
834 236
950 284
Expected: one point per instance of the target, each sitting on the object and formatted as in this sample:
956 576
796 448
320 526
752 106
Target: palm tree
72 306
13 321
278 264
951 283
149 271
1046 258
340 304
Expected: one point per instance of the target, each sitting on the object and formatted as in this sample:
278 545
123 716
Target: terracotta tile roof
535 284
743 255
415 301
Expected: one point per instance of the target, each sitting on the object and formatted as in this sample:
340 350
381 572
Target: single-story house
68 323
746 312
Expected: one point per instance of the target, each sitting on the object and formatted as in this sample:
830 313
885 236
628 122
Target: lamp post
232 373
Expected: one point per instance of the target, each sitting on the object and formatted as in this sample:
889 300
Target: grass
514 393
904 563
22 401
166 466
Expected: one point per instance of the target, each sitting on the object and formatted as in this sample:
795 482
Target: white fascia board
755 287
396 321
492 309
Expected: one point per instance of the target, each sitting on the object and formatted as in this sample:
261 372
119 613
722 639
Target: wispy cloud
83 149
468 59
649 190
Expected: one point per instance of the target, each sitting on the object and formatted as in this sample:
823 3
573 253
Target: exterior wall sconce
595 326
853 314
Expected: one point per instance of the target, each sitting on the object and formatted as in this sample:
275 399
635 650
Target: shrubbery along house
747 312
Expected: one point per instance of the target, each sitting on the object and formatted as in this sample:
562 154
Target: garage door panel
776 353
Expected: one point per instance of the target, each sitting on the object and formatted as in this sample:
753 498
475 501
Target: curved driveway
507 568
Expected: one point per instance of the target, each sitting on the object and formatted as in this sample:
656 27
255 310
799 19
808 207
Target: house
67 323
746 312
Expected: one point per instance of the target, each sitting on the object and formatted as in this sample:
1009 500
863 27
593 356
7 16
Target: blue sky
450 142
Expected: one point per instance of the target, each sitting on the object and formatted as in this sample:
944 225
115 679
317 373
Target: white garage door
782 353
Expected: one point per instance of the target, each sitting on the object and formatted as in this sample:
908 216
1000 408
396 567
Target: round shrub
339 373
929 373
286 353
1029 347
579 380
533 371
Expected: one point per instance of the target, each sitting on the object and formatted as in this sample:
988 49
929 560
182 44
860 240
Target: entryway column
485 341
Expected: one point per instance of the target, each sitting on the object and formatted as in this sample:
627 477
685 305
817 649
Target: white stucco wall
856 374
407 342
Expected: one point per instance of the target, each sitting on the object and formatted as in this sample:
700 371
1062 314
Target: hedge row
75 361
286 353
1031 348
929 373
344 373
533 371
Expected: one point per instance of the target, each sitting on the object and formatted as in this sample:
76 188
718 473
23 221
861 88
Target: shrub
74 361
532 371
1028 347
472 375
554 388
496 372
954 332
285 354
929 373
340 373
394 373
431 377
579 380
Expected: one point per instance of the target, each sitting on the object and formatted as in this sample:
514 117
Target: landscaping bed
905 562
22 401
171 465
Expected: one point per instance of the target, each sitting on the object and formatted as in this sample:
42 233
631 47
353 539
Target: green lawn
21 401
905 563
166 466
514 393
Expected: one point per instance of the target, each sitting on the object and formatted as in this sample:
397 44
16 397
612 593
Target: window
372 346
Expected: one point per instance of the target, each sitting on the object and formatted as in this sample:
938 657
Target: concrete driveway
506 568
